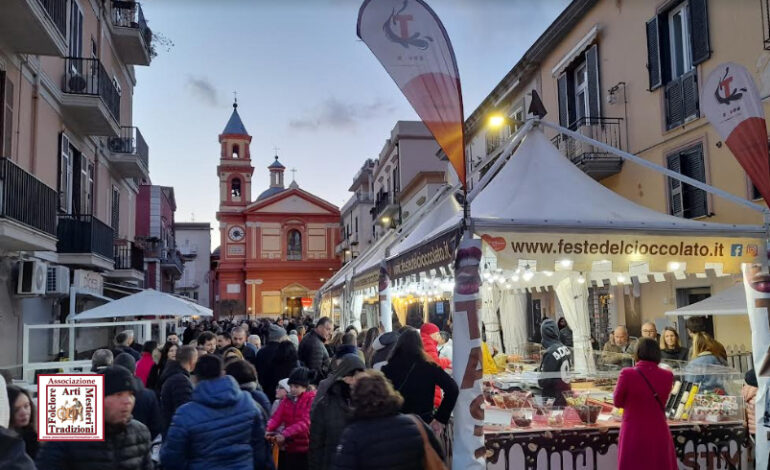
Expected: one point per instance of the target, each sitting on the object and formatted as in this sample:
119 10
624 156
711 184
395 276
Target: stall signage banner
88 281
756 283
731 102
699 253
410 41
434 254
367 279
307 302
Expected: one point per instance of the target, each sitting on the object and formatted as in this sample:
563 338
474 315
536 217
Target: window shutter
690 95
695 200
65 160
563 100
77 183
675 187
674 104
594 90
6 115
653 54
699 31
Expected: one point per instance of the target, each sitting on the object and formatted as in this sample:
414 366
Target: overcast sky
305 84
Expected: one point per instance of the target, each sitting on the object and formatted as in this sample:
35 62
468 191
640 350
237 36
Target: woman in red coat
645 440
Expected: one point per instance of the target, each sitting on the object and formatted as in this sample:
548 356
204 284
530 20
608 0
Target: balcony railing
383 201
84 234
129 256
26 199
130 15
130 142
596 162
57 11
169 258
88 77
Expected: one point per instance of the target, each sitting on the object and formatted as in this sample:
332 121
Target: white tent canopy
541 189
731 301
148 303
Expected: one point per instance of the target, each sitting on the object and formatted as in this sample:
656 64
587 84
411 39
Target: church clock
236 233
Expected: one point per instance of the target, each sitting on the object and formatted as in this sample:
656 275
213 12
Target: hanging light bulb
565 263
621 279
548 273
581 279
515 278
528 275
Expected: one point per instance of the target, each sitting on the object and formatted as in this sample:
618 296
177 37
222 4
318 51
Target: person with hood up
146 408
332 410
430 335
221 428
126 444
294 415
382 347
556 363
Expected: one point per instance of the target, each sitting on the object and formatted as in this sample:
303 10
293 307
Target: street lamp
496 121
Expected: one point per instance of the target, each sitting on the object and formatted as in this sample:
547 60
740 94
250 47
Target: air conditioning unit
32 277
58 280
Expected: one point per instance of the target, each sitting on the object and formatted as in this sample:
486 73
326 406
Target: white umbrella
148 303
731 301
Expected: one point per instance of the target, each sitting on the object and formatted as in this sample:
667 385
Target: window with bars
684 200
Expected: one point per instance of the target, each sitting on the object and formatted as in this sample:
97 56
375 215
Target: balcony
90 99
35 26
385 205
129 153
27 210
129 261
130 33
595 162
85 241
171 261
342 246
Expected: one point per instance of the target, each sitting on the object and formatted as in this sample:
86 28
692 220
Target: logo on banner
71 407
723 93
497 243
401 20
736 250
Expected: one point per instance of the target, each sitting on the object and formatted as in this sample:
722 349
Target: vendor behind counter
556 362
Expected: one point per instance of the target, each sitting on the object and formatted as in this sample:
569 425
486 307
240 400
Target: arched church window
235 187
294 248
236 151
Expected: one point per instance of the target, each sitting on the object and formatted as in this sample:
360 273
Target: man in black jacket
177 387
556 363
264 363
146 408
123 342
312 352
126 444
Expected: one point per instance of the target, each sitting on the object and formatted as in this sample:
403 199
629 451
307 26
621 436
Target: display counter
524 430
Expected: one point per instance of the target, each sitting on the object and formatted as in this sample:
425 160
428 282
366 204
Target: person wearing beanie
552 364
294 338
146 409
220 428
430 335
332 410
126 440
382 347
274 360
293 414
281 392
246 375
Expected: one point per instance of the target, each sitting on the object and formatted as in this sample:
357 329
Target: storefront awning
542 207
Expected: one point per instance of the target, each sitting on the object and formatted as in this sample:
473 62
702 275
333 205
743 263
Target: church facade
277 250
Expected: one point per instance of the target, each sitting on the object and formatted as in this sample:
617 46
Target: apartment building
407 174
156 235
629 74
194 242
355 215
72 158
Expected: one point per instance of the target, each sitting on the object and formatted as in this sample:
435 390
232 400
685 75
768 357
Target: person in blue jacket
221 427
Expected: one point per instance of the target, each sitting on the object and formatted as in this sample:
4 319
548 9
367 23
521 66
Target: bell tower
234 168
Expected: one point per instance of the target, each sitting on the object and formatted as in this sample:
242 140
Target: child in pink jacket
293 414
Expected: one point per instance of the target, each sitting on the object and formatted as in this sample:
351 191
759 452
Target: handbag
431 459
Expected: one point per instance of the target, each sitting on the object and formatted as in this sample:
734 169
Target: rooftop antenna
235 99
276 149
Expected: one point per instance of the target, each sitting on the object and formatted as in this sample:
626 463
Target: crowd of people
306 395
257 395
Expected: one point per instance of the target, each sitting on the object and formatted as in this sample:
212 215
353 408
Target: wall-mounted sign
88 281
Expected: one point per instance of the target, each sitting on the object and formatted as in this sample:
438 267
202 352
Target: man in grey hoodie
556 363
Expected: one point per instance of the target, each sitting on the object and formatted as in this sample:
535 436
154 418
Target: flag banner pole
468 447
386 317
